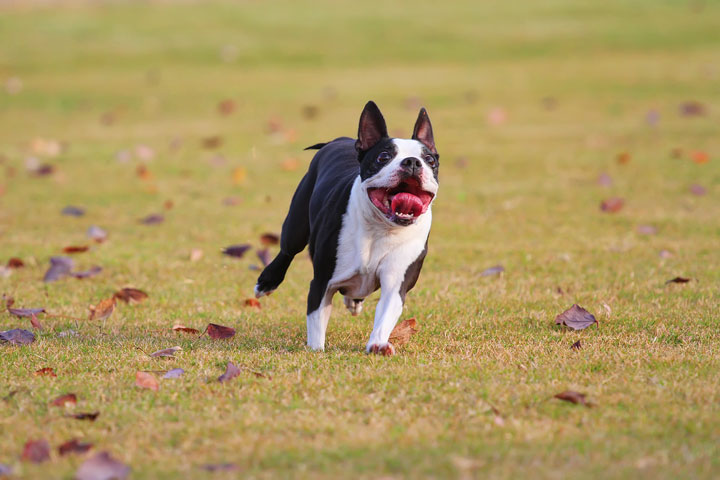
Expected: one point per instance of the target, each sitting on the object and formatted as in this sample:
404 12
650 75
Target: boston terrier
364 207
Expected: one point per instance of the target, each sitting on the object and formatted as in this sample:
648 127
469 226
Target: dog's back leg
293 239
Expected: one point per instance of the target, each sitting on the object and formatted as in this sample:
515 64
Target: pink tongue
407 203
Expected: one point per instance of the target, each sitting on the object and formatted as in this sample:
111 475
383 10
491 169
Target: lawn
199 111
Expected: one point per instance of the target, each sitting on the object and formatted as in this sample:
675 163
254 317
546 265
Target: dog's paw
385 349
261 293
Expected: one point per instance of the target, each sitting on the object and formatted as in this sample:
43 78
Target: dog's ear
372 127
423 131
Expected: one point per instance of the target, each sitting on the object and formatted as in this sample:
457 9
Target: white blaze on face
389 175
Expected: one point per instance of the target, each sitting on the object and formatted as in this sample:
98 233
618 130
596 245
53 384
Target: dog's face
399 176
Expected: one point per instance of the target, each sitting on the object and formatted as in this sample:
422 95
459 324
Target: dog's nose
412 165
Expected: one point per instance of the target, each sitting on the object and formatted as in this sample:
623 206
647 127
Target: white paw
316 346
261 293
385 349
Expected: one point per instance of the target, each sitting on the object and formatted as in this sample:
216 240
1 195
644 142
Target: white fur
372 248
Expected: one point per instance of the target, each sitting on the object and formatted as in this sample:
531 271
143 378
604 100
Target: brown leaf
45 372
87 273
700 157
35 322
226 107
403 331
74 446
128 295
84 416
102 467
576 346
219 332
231 371
576 318
102 310
212 142
17 336
678 280
76 249
59 267
69 399
36 451
15 262
146 380
166 352
573 397
253 302
692 109
695 189
184 329
623 158
612 205
168 205
269 239
24 312
237 251
495 270
143 172
153 219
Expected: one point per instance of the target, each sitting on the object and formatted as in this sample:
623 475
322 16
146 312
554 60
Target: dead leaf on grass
573 397
213 142
678 280
184 329
15 262
76 249
166 352
576 346
74 446
102 310
87 273
102 467
264 256
17 336
576 318
226 107
59 267
237 251
174 373
692 109
219 332
612 205
25 312
695 189
69 399
623 158
646 229
153 219
231 371
97 234
36 451
130 295
269 239
253 302
45 372
84 416
220 467
146 380
402 332
700 157
495 270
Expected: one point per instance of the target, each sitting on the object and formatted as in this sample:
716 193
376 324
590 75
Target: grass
575 81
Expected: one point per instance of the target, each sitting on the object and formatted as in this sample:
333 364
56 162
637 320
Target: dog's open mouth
403 203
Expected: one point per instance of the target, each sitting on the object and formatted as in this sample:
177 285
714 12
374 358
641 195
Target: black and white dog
364 207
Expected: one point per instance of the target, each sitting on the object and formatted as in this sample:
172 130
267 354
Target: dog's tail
317 146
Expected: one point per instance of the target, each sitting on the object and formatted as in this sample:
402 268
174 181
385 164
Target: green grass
527 198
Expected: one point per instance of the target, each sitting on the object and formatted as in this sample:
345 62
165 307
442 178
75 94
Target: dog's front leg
317 321
387 314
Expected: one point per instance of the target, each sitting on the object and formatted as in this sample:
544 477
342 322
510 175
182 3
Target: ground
532 102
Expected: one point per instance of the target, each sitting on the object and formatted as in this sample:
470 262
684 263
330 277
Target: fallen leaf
402 332
97 234
219 332
25 312
652 118
700 157
213 142
310 112
102 310
576 318
130 294
237 251
253 302
74 446
168 205
44 170
36 451
184 329
623 158
678 280
692 109
45 372
69 399
573 397
35 322
612 205
238 175
87 273
153 219
605 180
647 229
174 373
146 380
76 249
195 254
73 211
269 239
576 346
83 416
166 352
226 107
695 189
496 270
231 201
264 256
231 371
15 262
59 267
143 172
102 467
220 467
17 336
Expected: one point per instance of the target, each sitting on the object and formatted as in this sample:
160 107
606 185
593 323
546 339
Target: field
199 111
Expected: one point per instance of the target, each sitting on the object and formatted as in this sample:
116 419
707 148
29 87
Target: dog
365 209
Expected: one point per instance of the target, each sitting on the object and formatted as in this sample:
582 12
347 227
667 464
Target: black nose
412 165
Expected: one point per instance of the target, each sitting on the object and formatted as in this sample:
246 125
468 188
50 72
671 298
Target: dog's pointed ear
423 131
372 127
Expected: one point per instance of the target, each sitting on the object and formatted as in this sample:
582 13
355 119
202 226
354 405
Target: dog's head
399 176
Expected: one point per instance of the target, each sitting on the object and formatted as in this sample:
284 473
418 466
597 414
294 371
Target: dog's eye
383 157
430 160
